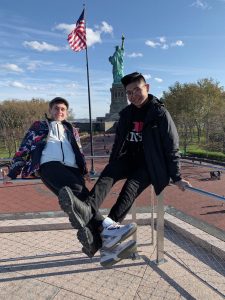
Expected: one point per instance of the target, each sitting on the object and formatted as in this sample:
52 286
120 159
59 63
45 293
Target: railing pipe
205 193
203 164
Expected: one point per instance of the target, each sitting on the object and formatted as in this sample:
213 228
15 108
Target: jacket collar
154 109
49 120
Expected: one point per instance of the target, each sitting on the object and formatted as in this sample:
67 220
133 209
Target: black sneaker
90 252
79 212
91 241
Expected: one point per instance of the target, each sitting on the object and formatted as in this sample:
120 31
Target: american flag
77 38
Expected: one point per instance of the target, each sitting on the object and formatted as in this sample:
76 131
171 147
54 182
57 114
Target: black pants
137 179
55 175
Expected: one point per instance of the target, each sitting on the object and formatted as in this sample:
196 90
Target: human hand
182 184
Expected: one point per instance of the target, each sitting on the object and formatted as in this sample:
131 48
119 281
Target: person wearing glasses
145 152
51 148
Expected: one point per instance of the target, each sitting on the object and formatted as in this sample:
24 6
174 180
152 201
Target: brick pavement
50 265
35 197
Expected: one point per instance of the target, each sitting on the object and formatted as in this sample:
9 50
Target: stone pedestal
118 102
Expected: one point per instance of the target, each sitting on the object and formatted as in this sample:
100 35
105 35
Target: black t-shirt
133 146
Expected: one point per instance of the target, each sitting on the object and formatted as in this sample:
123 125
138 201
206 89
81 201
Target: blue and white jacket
26 160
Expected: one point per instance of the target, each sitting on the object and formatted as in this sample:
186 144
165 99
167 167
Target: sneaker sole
66 205
123 255
85 237
123 237
88 252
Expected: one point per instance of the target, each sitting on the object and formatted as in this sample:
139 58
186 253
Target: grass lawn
196 150
3 153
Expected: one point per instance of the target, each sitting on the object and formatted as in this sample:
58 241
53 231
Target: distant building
97 126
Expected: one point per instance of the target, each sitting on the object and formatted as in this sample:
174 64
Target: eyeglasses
135 90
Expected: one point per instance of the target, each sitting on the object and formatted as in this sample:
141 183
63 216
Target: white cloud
164 47
31 66
152 44
20 85
200 4
162 43
106 28
72 85
178 43
147 76
134 55
17 84
12 68
43 46
67 28
162 39
158 79
93 36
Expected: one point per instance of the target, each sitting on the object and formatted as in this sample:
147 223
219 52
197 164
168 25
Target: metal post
92 171
160 230
152 202
134 219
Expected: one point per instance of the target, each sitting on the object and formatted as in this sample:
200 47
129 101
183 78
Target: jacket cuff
12 175
176 178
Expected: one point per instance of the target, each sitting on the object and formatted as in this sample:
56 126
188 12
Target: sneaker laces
113 226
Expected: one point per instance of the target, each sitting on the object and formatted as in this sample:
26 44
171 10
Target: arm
122 45
21 155
77 139
170 141
116 147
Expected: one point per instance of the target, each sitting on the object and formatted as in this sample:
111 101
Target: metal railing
203 165
159 211
160 219
205 193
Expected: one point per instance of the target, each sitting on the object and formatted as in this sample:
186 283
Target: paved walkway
50 265
28 197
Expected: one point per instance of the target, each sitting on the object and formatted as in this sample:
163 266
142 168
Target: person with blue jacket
51 149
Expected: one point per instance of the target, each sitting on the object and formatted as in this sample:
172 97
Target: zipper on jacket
120 151
60 142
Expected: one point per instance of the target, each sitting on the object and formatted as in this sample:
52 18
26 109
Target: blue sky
168 41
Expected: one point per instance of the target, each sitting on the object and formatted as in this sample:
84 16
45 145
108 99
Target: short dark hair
129 78
58 100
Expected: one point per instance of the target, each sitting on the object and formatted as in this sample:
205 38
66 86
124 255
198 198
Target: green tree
197 108
16 116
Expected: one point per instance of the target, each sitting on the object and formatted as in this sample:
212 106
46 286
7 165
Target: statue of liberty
117 62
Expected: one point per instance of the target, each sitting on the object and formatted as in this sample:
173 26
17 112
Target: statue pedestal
118 102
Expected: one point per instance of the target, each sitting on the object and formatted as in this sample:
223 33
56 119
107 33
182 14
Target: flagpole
92 171
77 42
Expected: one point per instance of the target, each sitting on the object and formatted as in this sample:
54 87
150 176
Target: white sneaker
113 256
116 233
